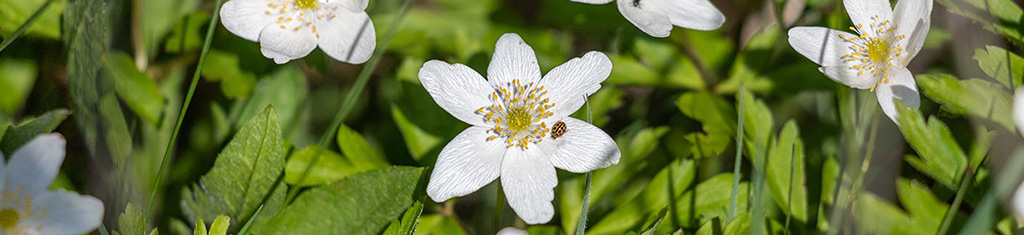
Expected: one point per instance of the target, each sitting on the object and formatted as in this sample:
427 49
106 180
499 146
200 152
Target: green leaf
601 102
758 124
785 156
630 71
16 80
750 64
975 97
330 167
437 224
137 90
286 90
361 204
669 183
187 33
357 151
707 200
939 154
1002 17
13 13
921 204
653 221
220 225
243 176
86 30
711 227
717 117
200 227
1006 67
118 138
923 215
407 224
156 18
224 67
20 134
132 221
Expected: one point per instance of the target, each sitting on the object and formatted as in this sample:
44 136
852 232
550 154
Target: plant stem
965 182
738 161
581 224
184 106
24 26
789 199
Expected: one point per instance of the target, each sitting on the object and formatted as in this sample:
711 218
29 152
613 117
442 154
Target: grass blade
24 26
738 161
581 224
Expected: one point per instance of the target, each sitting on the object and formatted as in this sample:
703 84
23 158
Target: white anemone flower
291 29
512 231
1017 202
521 129
656 17
876 57
27 207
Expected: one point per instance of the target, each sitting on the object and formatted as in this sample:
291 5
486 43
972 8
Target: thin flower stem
951 212
789 199
737 162
352 96
184 106
24 26
857 183
499 206
581 224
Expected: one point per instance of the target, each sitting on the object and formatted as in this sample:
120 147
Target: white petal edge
912 19
529 181
850 77
596 2
512 59
861 11
691 14
34 165
901 86
67 212
457 88
349 37
466 164
570 83
511 231
1017 203
648 19
582 148
285 44
1018 112
821 45
354 6
246 18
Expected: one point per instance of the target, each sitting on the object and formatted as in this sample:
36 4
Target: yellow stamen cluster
874 50
514 112
306 10
16 208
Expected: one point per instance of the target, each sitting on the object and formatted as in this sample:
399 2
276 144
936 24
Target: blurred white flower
511 231
656 17
521 129
291 29
27 207
875 59
1017 202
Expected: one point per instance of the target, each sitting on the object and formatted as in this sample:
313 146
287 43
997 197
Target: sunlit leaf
1006 67
786 157
939 155
13 13
406 225
20 134
16 80
137 90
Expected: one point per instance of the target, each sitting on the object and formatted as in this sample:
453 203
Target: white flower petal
512 231
1018 111
861 11
822 45
282 42
529 181
348 37
570 83
1017 203
691 14
467 163
912 18
355 6
457 89
34 165
648 18
593 1
513 59
901 85
850 77
246 18
582 148
66 212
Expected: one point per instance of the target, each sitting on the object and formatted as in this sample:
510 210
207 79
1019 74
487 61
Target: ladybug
558 130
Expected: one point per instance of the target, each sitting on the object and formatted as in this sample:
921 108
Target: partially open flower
656 17
27 207
291 29
521 126
876 57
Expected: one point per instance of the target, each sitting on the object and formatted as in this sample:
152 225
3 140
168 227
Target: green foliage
137 90
16 80
19 134
717 117
1002 17
407 223
13 13
1006 67
363 203
243 176
923 213
785 158
437 224
186 35
973 97
224 67
132 221
940 155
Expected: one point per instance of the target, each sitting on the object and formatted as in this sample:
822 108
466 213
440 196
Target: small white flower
656 17
291 29
520 126
26 207
877 58
1017 202
511 231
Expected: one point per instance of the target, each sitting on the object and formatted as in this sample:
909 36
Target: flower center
305 4
874 50
8 218
515 113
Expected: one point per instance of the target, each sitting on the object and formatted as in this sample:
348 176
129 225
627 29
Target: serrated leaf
788 154
974 97
707 200
406 225
361 204
137 90
671 181
220 225
243 176
200 227
939 154
717 117
16 80
1006 67
18 135
132 221
1002 17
